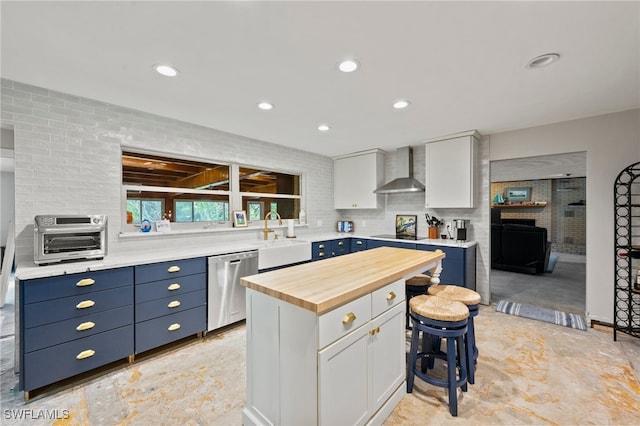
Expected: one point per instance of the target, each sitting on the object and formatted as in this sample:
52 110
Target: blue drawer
169 270
358 244
59 362
40 289
320 250
160 307
41 313
64 331
456 253
399 244
340 247
153 333
162 288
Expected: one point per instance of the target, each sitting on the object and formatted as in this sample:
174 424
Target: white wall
612 142
68 161
7 203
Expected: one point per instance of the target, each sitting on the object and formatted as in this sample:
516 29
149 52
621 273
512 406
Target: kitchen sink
274 253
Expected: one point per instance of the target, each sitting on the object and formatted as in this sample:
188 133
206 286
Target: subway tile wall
67 161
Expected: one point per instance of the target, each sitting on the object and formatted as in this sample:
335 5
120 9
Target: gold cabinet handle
349 318
173 286
86 326
374 331
86 354
173 327
321 254
340 243
85 304
358 243
173 304
391 295
174 268
321 246
85 282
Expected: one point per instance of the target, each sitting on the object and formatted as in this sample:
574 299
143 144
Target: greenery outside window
201 211
144 209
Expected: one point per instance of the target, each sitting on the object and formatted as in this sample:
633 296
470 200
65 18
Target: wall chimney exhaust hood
405 181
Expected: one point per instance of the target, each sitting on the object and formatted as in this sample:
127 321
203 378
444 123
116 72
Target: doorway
548 198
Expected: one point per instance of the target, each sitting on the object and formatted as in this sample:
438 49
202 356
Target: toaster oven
70 237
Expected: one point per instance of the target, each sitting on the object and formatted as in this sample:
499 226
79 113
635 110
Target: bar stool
415 286
439 318
471 299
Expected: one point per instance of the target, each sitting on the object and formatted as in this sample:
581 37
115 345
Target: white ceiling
461 64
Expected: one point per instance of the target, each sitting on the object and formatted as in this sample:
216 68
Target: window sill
203 230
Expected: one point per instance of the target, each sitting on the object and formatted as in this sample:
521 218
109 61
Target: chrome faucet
266 229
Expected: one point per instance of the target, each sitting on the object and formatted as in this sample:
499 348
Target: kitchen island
326 340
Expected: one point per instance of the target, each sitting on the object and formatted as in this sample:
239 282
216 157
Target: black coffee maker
460 229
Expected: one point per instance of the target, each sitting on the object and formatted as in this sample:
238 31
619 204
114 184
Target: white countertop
29 270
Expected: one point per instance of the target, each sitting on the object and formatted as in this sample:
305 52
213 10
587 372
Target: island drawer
41 313
344 319
159 331
387 297
68 359
170 288
169 305
169 270
64 331
40 289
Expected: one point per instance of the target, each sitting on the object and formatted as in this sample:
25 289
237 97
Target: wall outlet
363 223
319 222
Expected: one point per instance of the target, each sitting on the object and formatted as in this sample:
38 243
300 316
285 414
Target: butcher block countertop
326 284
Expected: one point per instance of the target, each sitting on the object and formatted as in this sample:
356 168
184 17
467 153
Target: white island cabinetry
327 359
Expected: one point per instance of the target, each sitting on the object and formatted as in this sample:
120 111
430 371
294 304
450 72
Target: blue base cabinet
171 299
73 323
459 265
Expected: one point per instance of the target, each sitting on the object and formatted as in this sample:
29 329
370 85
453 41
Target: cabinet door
387 355
343 380
355 179
449 177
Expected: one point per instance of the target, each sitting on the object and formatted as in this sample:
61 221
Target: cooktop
399 237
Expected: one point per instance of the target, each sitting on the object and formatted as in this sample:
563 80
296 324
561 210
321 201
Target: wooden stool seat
420 279
438 308
454 292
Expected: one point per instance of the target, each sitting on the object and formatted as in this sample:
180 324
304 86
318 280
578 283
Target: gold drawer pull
341 243
173 286
173 327
358 243
391 295
173 304
349 318
321 246
173 268
321 254
85 304
86 354
86 326
85 282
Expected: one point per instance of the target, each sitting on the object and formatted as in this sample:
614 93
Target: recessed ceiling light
323 127
348 65
543 60
401 104
166 70
265 105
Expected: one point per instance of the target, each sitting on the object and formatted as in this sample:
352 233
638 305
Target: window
144 209
201 211
255 209
277 190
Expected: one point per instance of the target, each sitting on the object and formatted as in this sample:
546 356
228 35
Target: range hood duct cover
405 182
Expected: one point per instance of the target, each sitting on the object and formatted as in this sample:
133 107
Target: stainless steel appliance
226 297
459 229
69 237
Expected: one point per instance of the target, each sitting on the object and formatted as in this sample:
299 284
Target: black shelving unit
626 199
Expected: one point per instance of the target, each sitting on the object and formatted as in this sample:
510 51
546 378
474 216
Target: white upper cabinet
355 177
450 167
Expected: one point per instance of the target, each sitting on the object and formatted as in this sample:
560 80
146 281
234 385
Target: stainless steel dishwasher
226 297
